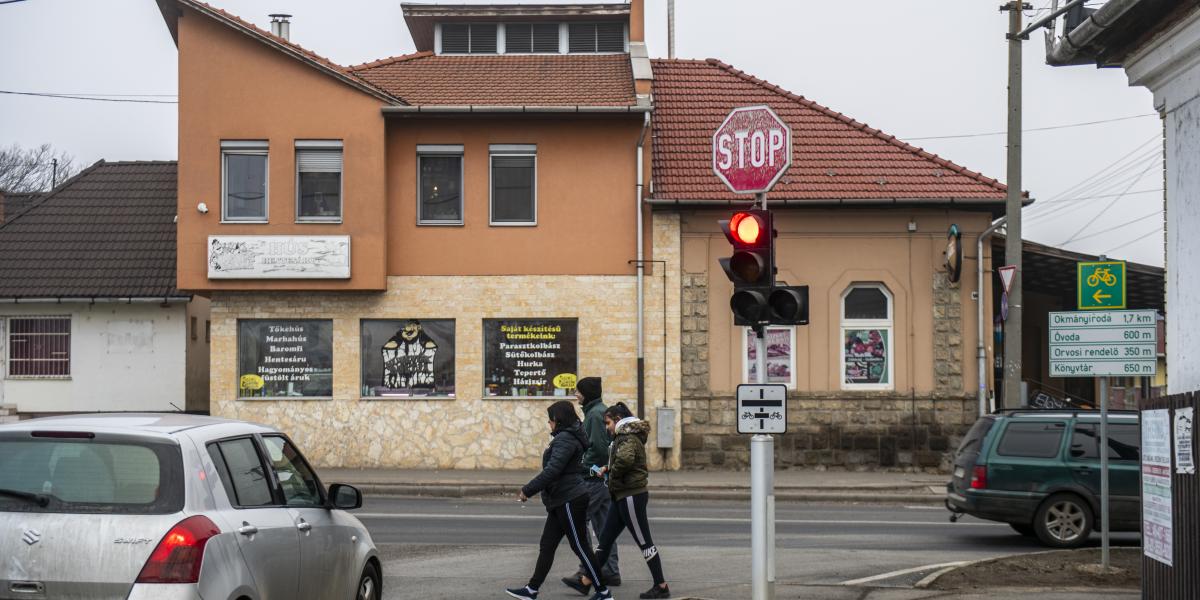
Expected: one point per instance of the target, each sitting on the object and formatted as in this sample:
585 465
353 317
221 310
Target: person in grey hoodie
561 485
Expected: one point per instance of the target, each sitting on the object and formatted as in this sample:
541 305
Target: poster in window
285 359
779 356
407 358
525 357
866 356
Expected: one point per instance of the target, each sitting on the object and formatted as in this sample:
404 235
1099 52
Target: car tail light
979 477
177 557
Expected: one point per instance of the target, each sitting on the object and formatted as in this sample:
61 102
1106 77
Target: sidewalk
790 485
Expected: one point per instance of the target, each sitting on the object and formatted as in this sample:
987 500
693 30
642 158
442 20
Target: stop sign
752 149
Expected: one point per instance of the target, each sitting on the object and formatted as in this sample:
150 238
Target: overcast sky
915 70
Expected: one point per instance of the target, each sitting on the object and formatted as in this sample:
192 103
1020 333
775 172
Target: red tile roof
835 158
504 80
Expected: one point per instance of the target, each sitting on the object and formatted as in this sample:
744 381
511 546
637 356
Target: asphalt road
463 549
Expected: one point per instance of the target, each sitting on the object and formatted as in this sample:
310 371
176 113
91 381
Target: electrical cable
70 97
1050 128
1106 208
1157 213
1156 231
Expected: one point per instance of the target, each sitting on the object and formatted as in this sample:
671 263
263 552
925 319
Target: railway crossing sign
1101 285
762 408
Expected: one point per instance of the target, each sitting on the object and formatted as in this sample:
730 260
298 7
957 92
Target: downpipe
641 274
981 348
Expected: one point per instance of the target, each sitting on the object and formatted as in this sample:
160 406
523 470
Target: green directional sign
1101 285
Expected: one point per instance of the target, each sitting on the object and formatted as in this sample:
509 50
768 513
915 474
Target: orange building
408 258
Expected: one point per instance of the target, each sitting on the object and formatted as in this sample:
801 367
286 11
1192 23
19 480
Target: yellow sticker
251 382
565 381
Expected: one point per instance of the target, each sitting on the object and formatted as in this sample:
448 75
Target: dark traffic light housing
756 299
751 267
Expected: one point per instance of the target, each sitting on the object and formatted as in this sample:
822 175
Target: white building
1157 42
90 318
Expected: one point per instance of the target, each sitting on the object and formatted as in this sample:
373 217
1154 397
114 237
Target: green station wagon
1039 471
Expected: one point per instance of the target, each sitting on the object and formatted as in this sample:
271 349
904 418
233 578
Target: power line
1108 206
1157 231
10 1
1157 213
1052 127
71 97
102 95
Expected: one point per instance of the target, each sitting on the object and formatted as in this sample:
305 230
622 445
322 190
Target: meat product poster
524 357
285 359
866 356
404 358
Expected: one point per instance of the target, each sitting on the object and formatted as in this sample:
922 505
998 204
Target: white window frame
508 150
6 331
246 147
887 324
746 331
443 150
303 145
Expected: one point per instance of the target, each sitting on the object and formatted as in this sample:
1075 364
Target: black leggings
630 513
568 520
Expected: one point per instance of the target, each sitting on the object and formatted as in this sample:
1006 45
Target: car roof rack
1074 412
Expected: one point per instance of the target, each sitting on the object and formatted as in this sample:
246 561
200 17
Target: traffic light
751 268
788 305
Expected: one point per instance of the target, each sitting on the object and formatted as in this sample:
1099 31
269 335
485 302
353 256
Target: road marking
502 517
932 577
903 572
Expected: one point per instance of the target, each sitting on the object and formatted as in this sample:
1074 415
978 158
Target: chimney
638 55
281 26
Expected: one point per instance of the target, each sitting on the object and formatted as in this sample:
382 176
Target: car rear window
1031 440
1123 442
974 437
89 476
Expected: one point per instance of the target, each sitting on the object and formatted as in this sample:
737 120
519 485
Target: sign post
751 151
1102 344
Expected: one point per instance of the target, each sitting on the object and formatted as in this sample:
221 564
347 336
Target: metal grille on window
39 347
582 37
610 37
483 39
456 39
320 181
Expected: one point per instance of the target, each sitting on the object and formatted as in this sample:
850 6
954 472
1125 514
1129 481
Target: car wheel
1024 529
1063 521
369 587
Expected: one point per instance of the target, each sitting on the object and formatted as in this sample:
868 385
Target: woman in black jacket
561 485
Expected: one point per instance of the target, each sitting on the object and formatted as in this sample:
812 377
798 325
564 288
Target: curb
933 577
487 490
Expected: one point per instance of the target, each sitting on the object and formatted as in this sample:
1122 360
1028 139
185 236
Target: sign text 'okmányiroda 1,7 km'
1103 343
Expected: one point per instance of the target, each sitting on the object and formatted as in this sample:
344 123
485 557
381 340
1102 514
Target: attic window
526 38
596 37
473 38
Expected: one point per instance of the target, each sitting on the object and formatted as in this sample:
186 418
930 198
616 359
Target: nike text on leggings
630 513
569 520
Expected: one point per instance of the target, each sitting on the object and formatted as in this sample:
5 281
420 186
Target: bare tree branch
32 170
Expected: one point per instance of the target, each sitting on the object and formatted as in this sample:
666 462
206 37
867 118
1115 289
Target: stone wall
849 430
947 335
694 346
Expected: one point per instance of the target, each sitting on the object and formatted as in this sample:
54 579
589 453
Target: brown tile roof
286 46
108 232
835 158
504 80
11 204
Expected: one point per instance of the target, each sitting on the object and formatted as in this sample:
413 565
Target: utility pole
1012 245
671 29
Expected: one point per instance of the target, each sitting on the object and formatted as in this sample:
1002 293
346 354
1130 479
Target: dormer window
597 37
527 38
531 38
468 38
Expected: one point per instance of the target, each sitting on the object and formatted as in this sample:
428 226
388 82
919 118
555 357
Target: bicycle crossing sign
1101 285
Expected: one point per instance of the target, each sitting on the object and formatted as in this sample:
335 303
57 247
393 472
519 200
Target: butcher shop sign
278 257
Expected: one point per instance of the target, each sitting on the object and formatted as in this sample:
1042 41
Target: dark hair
618 411
563 414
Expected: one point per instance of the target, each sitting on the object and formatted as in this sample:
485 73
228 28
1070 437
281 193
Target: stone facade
694 347
469 431
845 430
947 335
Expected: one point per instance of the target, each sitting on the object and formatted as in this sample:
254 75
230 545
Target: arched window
867 337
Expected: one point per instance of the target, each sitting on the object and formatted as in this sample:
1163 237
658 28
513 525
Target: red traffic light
747 228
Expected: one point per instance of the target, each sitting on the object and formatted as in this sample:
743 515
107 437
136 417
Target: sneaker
656 592
603 595
524 593
610 579
575 582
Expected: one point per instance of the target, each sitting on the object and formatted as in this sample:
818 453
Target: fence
1181 581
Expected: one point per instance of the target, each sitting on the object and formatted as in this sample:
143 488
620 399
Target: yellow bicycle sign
1101 285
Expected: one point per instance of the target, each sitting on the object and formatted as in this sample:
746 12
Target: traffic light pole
762 484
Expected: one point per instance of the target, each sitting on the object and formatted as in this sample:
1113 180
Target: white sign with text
1157 524
278 257
1120 343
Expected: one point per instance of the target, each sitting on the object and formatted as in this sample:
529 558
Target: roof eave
433 109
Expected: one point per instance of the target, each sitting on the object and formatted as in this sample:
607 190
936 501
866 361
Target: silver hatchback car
173 507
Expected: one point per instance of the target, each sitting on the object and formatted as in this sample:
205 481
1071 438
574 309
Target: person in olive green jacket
589 392
628 480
